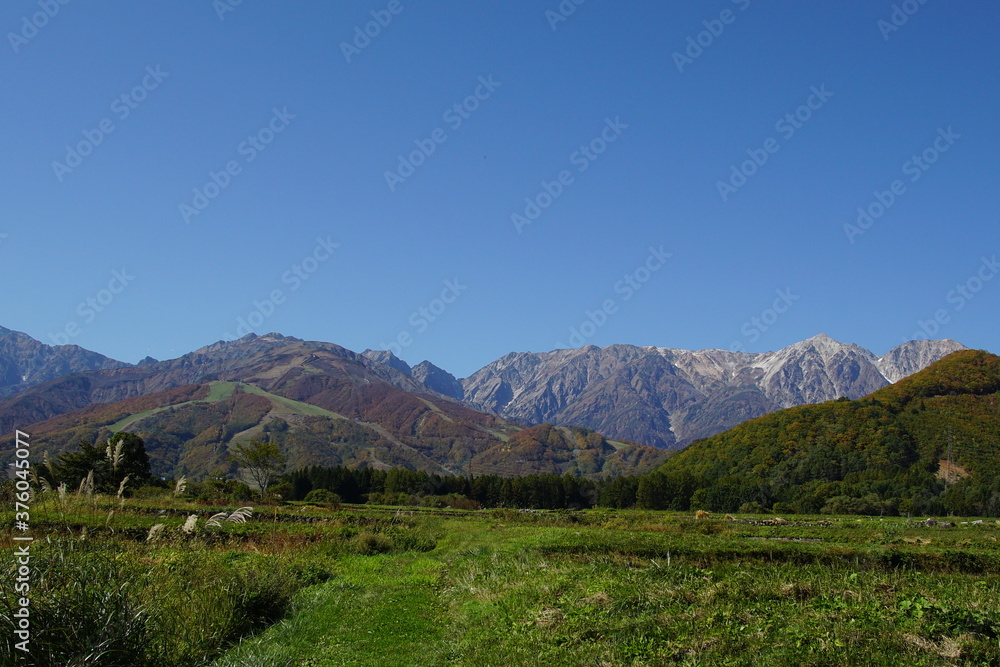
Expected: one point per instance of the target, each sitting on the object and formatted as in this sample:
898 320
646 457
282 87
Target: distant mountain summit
426 373
387 358
25 362
912 357
668 398
437 379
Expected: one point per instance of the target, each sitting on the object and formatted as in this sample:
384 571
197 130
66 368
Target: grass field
391 586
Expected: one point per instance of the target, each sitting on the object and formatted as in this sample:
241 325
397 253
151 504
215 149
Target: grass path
381 610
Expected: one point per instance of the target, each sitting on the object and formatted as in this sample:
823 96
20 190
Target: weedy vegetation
165 581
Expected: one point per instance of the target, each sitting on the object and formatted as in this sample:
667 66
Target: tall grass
119 603
84 608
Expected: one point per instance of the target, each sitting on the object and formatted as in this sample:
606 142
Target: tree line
677 490
121 466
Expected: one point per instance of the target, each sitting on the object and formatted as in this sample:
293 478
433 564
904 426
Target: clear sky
169 168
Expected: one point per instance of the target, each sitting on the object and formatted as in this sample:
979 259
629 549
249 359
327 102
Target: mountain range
324 404
379 411
669 398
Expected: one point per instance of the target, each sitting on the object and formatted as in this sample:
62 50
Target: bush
220 491
152 492
261 596
7 492
394 499
279 492
870 505
324 497
370 544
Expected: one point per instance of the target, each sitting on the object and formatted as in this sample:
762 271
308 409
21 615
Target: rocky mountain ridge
25 362
668 398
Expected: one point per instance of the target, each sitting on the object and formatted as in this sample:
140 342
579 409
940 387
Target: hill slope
930 442
189 429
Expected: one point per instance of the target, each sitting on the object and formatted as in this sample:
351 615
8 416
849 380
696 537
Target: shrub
7 492
261 595
370 544
870 505
324 497
279 492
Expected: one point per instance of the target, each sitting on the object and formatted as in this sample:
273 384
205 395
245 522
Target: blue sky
639 136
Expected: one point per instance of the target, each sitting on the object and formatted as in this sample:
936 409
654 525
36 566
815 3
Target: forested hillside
929 444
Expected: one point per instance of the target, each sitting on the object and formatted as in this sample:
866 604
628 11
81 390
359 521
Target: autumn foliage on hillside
879 454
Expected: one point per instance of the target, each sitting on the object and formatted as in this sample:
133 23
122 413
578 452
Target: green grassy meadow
363 585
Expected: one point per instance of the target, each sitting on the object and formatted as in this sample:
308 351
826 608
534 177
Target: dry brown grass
600 599
948 648
549 618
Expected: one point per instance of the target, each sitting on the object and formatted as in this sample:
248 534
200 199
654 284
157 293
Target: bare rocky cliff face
437 379
25 362
669 398
913 357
